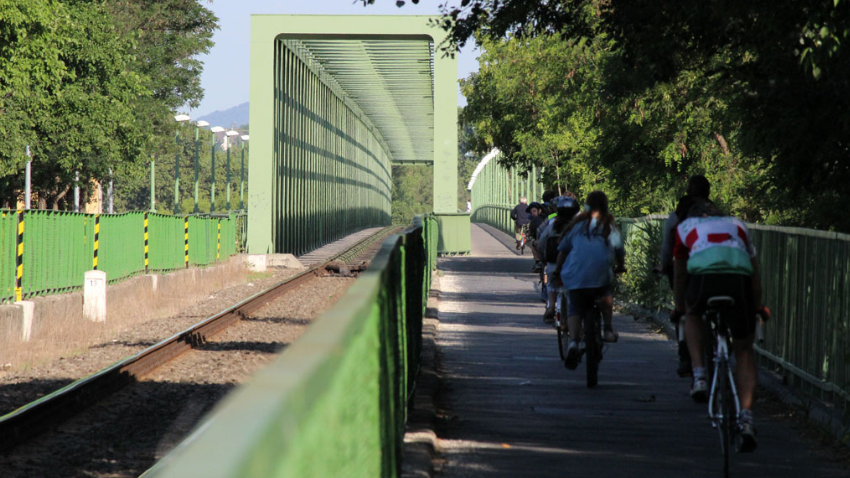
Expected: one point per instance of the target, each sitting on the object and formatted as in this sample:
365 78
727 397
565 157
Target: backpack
551 250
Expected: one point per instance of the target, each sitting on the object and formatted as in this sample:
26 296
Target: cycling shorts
701 287
582 300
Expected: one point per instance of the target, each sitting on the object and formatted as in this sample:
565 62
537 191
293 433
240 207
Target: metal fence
329 172
495 190
806 283
57 247
335 402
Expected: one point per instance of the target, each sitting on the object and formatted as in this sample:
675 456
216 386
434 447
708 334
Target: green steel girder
335 101
495 190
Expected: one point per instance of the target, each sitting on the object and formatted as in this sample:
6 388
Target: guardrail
335 402
45 252
806 283
495 215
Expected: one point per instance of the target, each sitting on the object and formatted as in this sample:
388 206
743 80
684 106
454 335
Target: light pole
245 139
198 126
215 130
153 183
230 134
28 181
179 119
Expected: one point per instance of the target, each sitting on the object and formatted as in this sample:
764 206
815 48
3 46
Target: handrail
334 403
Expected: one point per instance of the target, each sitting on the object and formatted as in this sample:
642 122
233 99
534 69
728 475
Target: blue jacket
590 259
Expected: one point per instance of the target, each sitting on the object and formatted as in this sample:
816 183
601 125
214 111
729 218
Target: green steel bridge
336 101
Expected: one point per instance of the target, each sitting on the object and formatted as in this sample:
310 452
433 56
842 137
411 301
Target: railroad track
32 419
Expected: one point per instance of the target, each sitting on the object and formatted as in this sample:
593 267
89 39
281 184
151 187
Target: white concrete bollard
94 296
154 281
28 310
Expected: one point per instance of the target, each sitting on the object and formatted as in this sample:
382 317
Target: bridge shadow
121 435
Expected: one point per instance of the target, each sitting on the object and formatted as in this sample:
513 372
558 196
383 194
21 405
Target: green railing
59 247
335 402
806 282
496 190
495 215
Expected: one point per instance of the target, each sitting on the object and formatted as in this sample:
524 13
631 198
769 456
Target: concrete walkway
511 408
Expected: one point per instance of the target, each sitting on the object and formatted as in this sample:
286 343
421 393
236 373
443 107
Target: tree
707 85
66 90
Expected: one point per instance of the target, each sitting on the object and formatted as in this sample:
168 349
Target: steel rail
37 416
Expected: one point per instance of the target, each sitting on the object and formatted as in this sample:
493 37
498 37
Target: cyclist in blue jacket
588 254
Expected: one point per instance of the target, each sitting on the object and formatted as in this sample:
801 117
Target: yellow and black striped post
218 242
146 243
19 257
96 240
186 241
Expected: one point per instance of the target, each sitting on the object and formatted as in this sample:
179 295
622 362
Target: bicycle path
511 409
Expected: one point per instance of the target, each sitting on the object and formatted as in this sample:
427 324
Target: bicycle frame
721 354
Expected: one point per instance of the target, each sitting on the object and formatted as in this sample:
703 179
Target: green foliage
91 86
632 96
413 192
640 285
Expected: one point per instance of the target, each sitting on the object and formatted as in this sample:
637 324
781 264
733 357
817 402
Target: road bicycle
561 323
522 242
592 344
724 407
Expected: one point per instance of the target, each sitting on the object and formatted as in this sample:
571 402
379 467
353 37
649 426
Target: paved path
517 412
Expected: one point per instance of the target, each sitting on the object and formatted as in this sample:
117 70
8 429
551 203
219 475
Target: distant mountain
237 116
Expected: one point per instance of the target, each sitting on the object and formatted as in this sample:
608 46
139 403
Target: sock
699 372
746 416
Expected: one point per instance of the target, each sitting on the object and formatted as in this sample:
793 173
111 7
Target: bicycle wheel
725 407
561 337
522 247
592 346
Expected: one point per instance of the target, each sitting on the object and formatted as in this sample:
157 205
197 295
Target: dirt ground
21 387
166 405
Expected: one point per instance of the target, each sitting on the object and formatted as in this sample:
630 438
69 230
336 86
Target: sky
226 67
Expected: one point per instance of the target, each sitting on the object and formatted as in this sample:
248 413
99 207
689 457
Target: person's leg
746 377
576 312
606 306
517 234
694 335
534 252
746 373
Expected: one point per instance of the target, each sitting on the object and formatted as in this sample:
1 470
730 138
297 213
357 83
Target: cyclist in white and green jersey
714 256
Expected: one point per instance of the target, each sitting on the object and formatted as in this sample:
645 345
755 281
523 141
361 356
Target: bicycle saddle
721 301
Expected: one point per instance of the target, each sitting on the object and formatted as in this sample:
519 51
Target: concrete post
94 296
27 312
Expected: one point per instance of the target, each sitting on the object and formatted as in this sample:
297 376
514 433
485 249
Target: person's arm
514 214
667 242
616 241
680 274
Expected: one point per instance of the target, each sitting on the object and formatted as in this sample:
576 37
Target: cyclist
714 256
589 249
521 218
535 209
698 188
549 239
